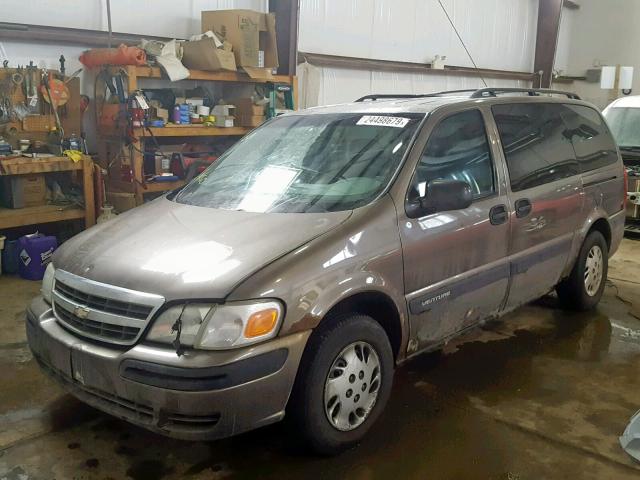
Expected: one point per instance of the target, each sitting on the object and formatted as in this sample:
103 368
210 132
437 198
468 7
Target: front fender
362 255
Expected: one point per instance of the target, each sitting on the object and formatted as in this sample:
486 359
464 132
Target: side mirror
441 196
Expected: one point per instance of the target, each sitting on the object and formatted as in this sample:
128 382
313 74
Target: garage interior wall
400 30
599 33
161 18
412 31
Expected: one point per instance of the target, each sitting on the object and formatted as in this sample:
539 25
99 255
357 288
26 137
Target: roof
405 105
426 104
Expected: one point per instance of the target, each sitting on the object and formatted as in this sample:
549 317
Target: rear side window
535 143
593 144
457 150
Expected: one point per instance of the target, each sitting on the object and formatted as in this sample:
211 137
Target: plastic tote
34 254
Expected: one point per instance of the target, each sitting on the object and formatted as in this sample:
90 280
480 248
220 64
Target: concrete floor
540 394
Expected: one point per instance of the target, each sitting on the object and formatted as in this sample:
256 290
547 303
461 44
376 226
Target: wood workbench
19 217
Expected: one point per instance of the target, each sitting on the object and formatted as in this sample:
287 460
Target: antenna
462 42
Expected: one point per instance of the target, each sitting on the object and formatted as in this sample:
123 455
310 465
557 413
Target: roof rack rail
387 96
533 92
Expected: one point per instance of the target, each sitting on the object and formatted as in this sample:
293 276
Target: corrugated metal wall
499 33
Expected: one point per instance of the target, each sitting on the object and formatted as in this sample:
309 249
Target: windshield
625 125
306 163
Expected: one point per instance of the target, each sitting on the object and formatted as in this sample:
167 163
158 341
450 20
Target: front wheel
583 288
343 384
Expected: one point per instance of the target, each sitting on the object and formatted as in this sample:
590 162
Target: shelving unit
19 217
138 187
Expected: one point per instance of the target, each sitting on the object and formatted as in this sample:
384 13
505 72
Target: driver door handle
498 215
523 207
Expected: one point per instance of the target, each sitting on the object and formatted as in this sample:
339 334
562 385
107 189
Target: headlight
47 283
219 327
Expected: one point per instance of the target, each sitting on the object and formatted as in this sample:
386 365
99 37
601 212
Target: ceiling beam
549 13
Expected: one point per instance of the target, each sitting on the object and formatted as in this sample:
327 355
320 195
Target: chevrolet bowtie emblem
81 312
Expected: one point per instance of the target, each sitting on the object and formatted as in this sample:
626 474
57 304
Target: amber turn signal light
260 323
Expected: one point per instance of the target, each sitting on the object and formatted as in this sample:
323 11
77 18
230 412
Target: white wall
171 18
599 33
500 34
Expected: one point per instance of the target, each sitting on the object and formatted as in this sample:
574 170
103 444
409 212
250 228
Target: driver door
455 262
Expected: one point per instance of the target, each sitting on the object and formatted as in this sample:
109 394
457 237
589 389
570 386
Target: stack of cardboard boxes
241 38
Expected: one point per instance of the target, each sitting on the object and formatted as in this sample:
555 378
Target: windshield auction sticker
382 121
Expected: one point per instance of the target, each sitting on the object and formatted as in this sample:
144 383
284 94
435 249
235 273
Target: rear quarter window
593 144
535 144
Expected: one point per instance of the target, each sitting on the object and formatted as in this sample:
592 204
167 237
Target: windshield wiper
630 148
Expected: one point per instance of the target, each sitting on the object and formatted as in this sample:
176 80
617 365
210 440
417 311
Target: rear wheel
583 288
343 384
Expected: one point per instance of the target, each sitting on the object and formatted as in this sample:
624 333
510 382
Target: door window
535 143
592 142
457 150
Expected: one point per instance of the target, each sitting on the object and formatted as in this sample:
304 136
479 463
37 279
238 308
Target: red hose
122 55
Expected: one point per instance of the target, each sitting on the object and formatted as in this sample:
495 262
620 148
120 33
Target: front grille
100 311
107 331
103 304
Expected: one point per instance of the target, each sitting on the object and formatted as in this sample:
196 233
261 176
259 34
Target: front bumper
198 396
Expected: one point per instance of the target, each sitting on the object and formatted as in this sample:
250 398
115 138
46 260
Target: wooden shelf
239 77
20 217
192 131
26 165
162 186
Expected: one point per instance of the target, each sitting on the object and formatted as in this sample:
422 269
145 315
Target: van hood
185 251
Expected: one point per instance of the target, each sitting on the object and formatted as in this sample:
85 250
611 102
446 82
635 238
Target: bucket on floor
10 257
2 239
34 254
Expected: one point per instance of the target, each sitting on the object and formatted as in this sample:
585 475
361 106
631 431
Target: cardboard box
223 110
250 120
224 121
246 107
24 191
203 55
249 32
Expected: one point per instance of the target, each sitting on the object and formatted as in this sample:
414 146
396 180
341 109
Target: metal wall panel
168 18
338 85
499 33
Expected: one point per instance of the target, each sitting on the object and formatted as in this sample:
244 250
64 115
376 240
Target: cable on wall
462 42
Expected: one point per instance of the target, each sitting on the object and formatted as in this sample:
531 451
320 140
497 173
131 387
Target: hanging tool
46 79
30 87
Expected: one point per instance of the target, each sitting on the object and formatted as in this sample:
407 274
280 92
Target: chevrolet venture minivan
323 250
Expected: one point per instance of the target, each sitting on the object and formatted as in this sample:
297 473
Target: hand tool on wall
30 87
47 77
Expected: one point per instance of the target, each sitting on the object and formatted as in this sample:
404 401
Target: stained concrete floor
541 394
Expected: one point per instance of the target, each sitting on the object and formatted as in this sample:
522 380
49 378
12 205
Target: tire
313 392
576 292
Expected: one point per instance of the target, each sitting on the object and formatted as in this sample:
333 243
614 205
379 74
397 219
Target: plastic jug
34 253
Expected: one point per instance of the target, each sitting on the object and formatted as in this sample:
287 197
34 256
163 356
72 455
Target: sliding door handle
523 207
